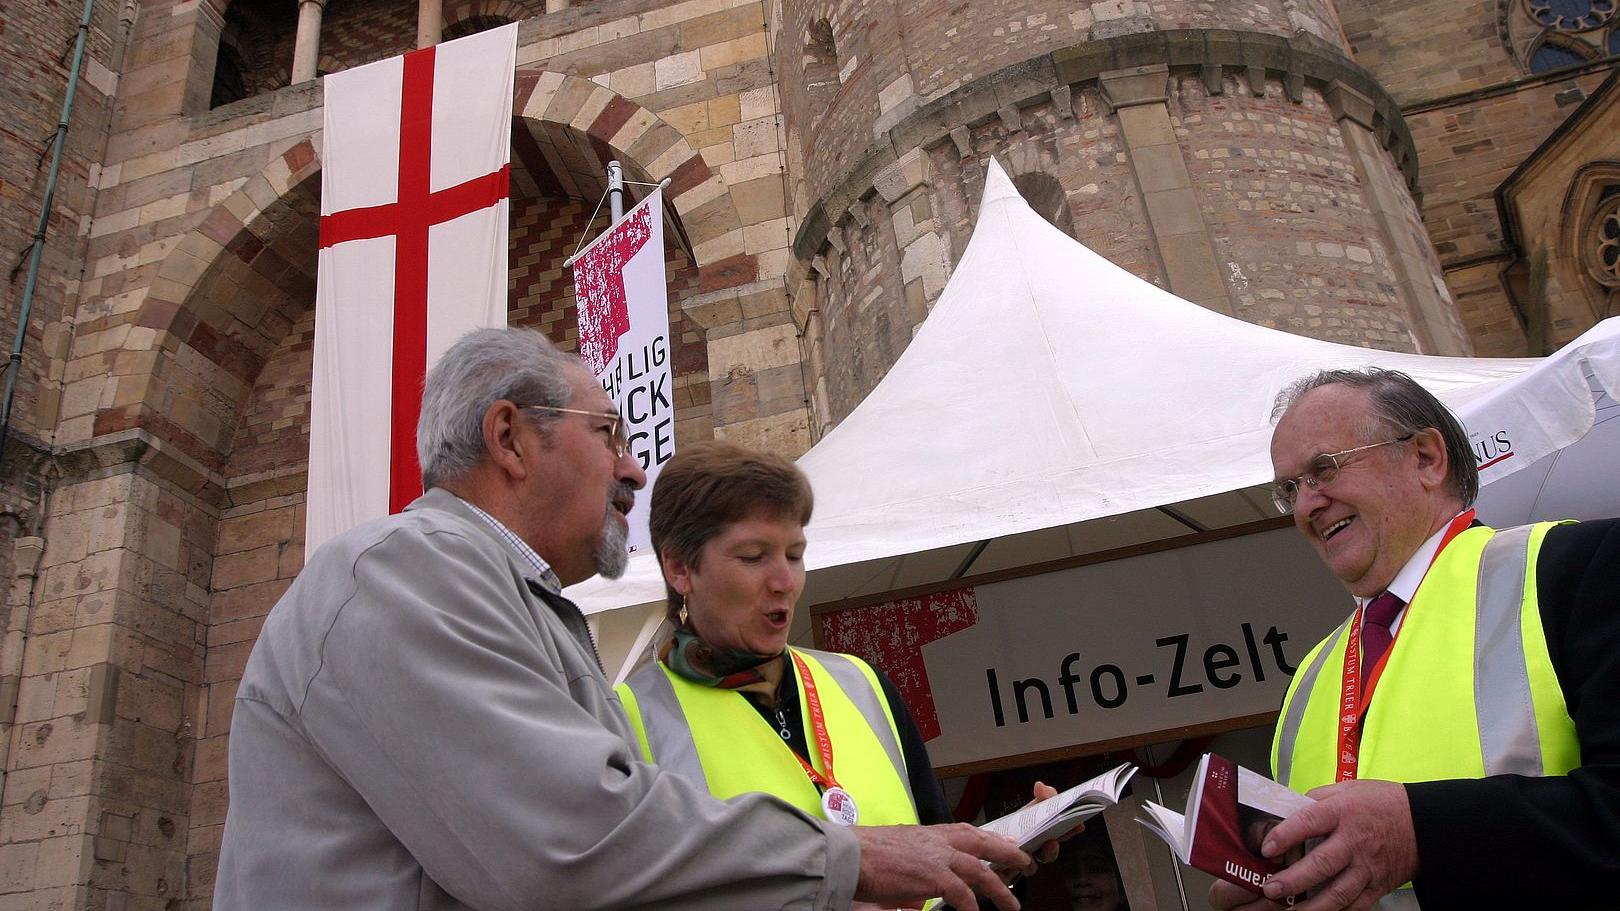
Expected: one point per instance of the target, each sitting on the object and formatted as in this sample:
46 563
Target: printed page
1047 819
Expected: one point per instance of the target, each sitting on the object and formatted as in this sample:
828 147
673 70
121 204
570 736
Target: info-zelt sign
1182 638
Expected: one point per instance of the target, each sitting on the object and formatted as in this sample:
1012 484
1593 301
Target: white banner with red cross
415 177
623 305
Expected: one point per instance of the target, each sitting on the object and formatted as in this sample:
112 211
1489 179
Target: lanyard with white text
836 804
1353 701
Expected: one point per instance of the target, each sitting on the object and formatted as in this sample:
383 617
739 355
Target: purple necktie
1375 634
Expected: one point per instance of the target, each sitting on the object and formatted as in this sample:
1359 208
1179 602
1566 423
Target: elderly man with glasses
424 724
1461 730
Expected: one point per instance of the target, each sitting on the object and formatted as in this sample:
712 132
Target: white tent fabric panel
1049 387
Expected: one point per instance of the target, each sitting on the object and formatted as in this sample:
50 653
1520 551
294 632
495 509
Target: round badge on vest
838 806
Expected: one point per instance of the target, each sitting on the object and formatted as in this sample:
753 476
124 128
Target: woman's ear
678 574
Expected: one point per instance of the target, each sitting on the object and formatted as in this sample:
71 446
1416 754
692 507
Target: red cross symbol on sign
416 209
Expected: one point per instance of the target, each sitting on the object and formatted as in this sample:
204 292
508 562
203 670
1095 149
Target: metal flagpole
615 191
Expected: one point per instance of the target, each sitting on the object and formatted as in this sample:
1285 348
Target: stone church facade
1414 175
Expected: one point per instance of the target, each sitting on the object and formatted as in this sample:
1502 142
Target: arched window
246 62
1045 195
472 25
821 80
1552 55
229 67
1603 242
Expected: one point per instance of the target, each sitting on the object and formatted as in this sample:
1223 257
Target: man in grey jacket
424 723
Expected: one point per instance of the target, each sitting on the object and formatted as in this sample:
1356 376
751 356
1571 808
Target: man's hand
907 865
1368 850
1225 896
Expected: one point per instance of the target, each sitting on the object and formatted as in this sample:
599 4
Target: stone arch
215 343
219 344
1031 162
617 127
1555 50
466 17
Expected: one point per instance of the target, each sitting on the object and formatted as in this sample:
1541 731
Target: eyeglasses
1324 469
617 441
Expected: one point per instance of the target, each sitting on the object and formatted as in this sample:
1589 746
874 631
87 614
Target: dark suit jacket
1514 842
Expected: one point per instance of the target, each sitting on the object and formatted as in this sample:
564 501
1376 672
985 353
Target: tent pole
962 568
1183 518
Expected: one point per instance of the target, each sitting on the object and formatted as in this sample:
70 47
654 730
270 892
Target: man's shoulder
1574 546
449 529
408 549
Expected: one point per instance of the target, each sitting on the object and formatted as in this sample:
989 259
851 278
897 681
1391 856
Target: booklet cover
1056 817
1229 813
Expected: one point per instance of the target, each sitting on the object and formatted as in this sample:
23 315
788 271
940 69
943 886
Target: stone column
307 49
1138 97
96 798
429 22
556 6
1412 262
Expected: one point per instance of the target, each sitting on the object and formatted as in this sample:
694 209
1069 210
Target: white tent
1053 404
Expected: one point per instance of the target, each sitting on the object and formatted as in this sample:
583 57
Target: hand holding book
1051 819
1358 844
1230 815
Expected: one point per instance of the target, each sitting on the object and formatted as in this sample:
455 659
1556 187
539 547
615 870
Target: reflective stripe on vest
1282 756
1493 666
653 701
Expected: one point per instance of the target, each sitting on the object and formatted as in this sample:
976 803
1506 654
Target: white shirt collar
1405 584
542 569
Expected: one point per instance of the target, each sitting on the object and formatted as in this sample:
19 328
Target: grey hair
482 367
1400 406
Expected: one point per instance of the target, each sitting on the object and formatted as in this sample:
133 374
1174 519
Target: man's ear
503 441
1432 459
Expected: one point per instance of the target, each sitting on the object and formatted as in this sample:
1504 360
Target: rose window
1604 250
1572 15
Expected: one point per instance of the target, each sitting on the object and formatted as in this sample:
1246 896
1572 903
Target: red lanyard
1353 701
818 725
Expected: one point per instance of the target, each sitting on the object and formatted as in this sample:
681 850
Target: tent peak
997 185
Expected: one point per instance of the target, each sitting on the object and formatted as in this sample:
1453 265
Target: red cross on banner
415 180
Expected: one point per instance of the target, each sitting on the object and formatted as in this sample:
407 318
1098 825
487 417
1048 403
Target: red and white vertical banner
415 176
623 302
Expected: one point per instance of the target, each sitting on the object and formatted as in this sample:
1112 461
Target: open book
1056 817
1229 813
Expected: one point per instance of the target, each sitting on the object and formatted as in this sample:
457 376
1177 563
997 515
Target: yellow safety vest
718 738
1468 690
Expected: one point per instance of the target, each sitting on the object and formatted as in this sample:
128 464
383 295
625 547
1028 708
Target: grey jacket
422 725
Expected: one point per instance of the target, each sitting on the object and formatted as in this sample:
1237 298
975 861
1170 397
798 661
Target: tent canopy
1053 404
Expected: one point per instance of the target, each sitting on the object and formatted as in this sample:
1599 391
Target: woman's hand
1048 852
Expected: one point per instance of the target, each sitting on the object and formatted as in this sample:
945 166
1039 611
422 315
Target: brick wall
1295 241
1286 211
1475 114
893 63
1422 49
33 83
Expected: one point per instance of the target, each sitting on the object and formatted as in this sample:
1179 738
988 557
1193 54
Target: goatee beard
612 554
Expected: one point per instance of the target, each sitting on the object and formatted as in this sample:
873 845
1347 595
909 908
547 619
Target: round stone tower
1229 151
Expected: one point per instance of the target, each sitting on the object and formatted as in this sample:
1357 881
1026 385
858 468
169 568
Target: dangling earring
682 615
